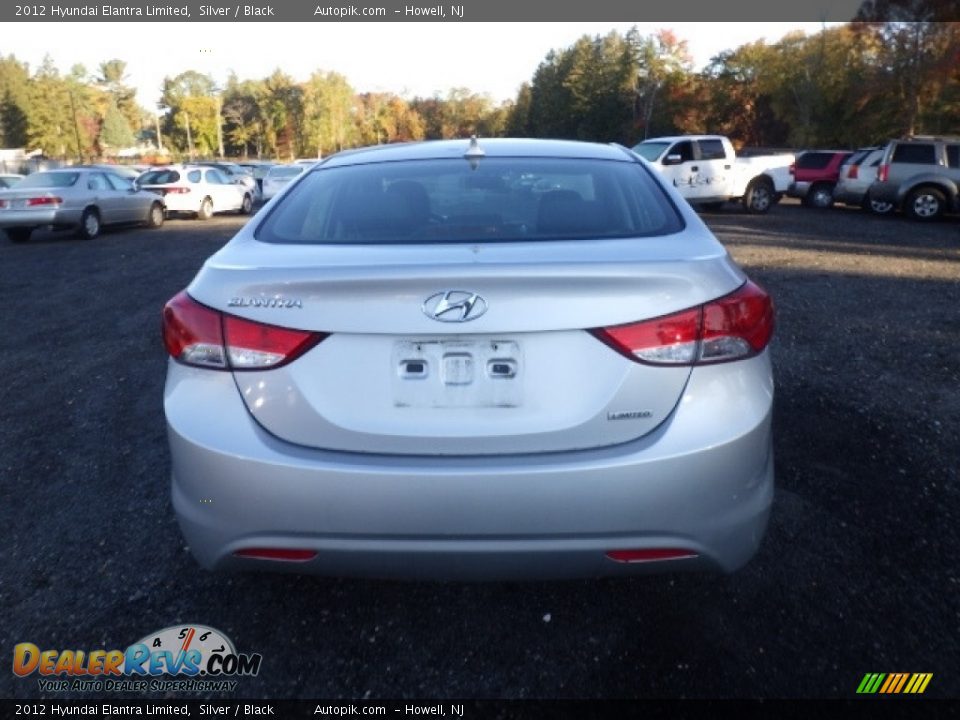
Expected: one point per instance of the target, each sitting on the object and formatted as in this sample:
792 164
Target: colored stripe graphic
903 680
894 683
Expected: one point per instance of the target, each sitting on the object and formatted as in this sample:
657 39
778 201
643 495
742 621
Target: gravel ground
858 572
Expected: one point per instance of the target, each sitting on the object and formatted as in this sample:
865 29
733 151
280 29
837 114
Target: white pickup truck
706 171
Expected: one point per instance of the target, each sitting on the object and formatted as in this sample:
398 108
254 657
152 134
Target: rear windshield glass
814 160
159 177
857 158
49 180
501 199
285 172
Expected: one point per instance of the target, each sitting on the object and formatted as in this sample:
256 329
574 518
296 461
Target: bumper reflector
289 555
649 555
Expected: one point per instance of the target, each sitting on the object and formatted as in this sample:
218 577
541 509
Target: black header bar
212 11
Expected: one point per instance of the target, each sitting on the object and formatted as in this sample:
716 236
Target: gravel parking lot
858 572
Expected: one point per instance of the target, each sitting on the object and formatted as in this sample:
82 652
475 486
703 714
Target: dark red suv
815 175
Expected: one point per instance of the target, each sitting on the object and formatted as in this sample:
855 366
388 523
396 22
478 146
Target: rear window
712 150
915 154
501 200
49 180
857 158
814 160
159 177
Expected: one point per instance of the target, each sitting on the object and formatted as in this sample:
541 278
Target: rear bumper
849 195
702 481
185 202
39 218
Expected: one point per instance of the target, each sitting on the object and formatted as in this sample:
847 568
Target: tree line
845 86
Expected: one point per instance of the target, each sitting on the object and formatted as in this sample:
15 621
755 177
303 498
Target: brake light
176 191
46 200
854 172
793 168
734 327
883 172
197 335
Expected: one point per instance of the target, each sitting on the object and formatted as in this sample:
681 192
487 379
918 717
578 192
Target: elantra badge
454 306
266 302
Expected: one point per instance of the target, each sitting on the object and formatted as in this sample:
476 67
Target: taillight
203 337
47 200
854 172
883 172
793 168
733 327
176 191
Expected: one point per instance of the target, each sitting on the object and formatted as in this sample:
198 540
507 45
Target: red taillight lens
883 172
669 340
192 333
176 191
734 327
48 200
197 335
854 172
252 346
793 168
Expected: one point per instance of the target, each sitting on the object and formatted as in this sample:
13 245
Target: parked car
82 199
856 175
706 171
235 173
278 177
920 176
258 169
199 190
8 180
511 358
815 175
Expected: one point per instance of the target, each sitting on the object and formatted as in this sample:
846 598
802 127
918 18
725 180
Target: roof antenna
474 153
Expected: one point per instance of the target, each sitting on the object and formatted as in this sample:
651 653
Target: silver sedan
483 360
80 199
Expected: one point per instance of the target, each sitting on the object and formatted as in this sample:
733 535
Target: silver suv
921 176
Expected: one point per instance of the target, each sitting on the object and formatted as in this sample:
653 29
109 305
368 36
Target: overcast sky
405 58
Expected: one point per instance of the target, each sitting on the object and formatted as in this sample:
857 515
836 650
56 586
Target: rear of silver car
553 370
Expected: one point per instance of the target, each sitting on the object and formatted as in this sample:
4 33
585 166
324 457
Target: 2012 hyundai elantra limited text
467 359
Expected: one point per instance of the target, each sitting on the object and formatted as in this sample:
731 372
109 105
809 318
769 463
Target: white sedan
199 190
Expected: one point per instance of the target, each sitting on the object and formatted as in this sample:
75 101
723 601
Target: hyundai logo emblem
454 306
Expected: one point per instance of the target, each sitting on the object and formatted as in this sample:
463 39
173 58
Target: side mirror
673 160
